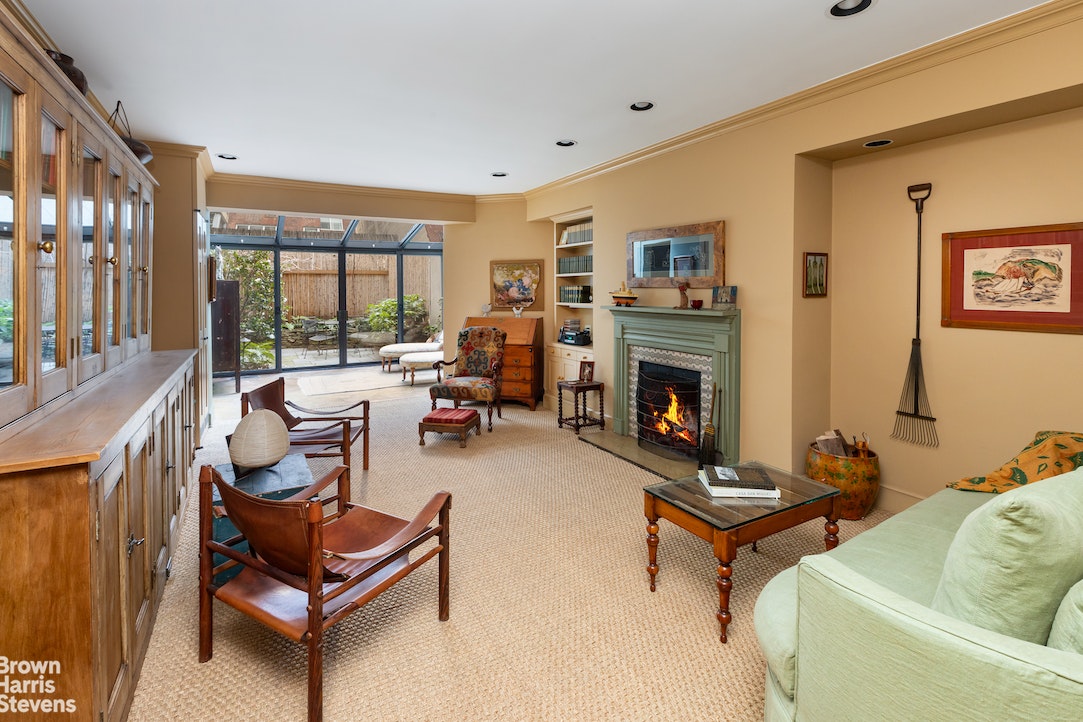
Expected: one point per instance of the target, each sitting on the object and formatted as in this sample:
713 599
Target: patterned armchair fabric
477 370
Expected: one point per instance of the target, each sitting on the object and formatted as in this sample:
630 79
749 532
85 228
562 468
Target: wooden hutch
96 429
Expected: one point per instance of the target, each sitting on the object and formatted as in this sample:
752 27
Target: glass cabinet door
51 258
52 335
129 274
15 306
111 267
91 295
10 320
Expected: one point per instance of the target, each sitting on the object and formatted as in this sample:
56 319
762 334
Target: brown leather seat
304 571
313 441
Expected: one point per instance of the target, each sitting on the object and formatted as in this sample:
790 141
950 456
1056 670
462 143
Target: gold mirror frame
677 277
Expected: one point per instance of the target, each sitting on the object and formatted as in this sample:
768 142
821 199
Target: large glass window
382 279
255 271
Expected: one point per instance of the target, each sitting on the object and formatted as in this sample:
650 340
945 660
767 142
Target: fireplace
667 410
703 345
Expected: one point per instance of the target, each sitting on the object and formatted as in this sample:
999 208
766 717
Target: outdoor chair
478 365
316 337
304 571
313 436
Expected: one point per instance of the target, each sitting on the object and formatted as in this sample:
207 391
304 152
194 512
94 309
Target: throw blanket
1051 453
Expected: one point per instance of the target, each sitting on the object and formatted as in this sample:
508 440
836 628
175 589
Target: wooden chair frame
370 553
321 441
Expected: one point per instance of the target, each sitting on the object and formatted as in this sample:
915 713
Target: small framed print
586 370
724 298
815 275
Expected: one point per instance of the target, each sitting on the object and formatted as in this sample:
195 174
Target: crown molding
501 198
317 186
1007 30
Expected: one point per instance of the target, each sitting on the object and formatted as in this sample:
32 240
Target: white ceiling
436 95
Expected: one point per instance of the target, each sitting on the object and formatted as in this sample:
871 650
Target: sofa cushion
1014 558
925 531
1067 631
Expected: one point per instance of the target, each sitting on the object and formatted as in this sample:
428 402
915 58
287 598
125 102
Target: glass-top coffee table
731 523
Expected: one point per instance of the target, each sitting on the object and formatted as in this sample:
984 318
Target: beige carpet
551 616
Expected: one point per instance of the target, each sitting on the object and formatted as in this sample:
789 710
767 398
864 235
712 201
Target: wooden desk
523 357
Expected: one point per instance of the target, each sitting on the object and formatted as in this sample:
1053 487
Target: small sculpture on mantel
683 288
518 311
486 309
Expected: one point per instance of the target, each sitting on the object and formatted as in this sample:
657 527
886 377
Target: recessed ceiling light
499 174
227 156
642 105
879 143
565 143
845 8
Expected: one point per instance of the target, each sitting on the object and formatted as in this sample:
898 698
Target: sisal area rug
359 380
551 615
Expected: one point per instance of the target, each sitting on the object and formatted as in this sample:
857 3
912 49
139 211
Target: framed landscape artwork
516 284
1017 279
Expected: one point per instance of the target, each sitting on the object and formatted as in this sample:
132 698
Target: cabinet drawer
516 389
518 356
518 373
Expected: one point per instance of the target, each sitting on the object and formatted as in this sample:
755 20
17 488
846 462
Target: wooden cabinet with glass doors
95 428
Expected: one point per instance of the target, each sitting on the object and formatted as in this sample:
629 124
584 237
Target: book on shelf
741 481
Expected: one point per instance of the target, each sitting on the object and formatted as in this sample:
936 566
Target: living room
991 119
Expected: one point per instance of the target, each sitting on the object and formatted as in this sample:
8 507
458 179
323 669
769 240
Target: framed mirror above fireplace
692 255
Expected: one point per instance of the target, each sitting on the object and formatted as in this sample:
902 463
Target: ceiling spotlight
642 105
565 143
499 174
845 8
879 143
227 156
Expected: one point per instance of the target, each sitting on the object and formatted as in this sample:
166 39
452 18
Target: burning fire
671 423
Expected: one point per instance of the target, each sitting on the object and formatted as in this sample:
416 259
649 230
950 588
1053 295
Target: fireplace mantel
715 335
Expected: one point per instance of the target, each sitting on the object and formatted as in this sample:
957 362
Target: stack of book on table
743 482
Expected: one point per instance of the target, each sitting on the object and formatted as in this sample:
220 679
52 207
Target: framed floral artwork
1017 279
517 284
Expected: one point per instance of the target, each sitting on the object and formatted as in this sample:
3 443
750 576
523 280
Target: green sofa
855 633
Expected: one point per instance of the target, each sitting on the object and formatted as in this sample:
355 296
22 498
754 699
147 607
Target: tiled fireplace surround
704 341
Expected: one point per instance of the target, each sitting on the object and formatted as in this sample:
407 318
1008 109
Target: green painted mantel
712 334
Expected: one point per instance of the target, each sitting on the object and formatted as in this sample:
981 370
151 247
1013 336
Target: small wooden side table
450 421
579 391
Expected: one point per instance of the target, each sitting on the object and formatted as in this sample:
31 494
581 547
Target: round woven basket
260 439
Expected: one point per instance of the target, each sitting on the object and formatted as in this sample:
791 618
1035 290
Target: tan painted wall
775 205
501 233
990 390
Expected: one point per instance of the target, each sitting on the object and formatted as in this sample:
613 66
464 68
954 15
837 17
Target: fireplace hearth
667 410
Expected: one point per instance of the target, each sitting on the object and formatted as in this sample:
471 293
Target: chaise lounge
393 352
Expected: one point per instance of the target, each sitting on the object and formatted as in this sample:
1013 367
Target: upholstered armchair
476 370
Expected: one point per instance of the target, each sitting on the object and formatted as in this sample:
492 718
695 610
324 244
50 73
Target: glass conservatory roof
264 230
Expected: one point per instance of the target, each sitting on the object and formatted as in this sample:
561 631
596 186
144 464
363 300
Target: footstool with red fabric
450 421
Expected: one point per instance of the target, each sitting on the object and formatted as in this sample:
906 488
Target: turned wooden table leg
652 549
831 533
725 585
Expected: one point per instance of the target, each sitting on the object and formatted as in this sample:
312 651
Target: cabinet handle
169 466
188 427
133 543
111 261
47 246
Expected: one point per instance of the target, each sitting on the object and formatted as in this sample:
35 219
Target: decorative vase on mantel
67 64
856 477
